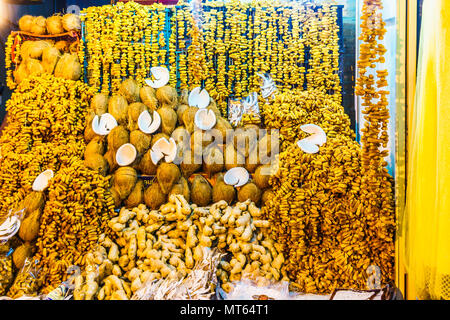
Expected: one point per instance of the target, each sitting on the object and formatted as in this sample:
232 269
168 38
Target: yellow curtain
428 193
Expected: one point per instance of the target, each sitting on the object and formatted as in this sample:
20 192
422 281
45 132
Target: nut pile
152 244
329 236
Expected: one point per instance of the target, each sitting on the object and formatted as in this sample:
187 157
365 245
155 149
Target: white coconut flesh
164 148
102 125
199 98
161 77
308 147
236 177
9 228
42 180
318 136
205 119
126 155
147 123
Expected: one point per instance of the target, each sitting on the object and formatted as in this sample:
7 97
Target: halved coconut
308 147
160 75
147 123
236 177
164 148
205 119
199 98
42 180
126 155
102 125
318 136
9 227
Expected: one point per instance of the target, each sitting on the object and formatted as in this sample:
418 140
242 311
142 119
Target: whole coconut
125 179
190 164
134 111
136 196
140 141
146 165
222 191
249 191
117 137
118 108
262 176
130 90
99 103
168 119
167 174
167 96
180 111
95 146
233 158
181 187
189 118
213 161
97 162
148 97
154 197
201 191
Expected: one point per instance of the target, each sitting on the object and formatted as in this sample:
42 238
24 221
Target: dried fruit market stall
196 151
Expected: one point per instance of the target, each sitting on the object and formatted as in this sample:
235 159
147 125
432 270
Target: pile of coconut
47 56
154 143
54 25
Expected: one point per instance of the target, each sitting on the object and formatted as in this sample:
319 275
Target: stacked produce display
203 150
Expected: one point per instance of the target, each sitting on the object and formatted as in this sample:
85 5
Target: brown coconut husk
136 196
167 95
24 48
116 197
213 106
26 22
140 141
89 133
261 179
201 191
224 127
110 157
267 196
71 22
181 187
159 136
168 119
39 26
99 103
252 161
20 73
182 138
184 97
188 119
130 90
68 67
54 25
146 165
190 164
34 49
34 67
62 46
213 161
200 140
50 57
245 141
180 111
250 191
154 197
167 174
134 111
148 97
233 158
117 137
118 108
222 191
125 179
97 162
95 146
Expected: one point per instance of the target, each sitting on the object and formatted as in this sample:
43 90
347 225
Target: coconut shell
148 97
159 136
140 141
130 90
125 179
89 133
213 161
136 196
68 67
21 73
97 162
116 197
146 165
167 96
261 178
117 137
110 157
50 58
181 137
21 253
34 49
168 119
29 228
34 67
71 22
201 191
191 163
180 111
35 200
249 191
134 111
118 108
213 106
95 146
184 97
182 187
233 158
222 191
62 46
189 118
39 26
99 103
54 25
26 22
154 197
167 174
266 197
